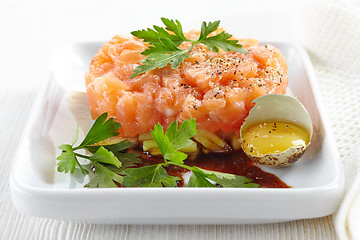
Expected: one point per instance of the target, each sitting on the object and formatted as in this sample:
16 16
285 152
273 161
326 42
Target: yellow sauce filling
273 137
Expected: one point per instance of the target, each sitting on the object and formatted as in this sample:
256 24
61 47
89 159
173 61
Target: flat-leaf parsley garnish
111 164
107 160
164 44
169 143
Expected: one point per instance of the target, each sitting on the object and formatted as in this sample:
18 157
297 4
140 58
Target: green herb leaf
152 36
160 60
221 41
114 148
161 140
225 179
103 177
104 156
164 45
149 176
101 130
175 27
180 138
149 35
163 49
107 160
126 159
68 160
176 156
207 28
174 139
198 179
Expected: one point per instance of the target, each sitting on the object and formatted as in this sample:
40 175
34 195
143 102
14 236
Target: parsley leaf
108 160
174 139
198 179
200 176
164 44
101 130
104 156
149 176
114 148
221 41
127 159
152 36
180 138
207 28
160 60
68 160
103 177
175 27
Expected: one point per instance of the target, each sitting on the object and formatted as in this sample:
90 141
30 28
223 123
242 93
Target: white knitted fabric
331 35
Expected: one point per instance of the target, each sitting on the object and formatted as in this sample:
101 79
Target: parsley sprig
164 44
112 165
169 143
105 158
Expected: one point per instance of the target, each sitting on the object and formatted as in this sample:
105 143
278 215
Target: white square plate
39 190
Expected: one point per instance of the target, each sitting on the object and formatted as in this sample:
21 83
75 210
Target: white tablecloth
30 30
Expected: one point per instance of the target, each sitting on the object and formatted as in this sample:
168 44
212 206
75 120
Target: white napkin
331 35
347 219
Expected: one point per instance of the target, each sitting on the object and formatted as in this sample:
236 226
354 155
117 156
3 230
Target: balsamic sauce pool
235 162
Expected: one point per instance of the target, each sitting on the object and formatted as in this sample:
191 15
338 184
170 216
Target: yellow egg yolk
273 137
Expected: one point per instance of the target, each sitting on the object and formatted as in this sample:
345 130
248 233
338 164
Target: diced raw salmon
214 88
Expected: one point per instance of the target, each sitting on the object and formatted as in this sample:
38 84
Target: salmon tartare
215 88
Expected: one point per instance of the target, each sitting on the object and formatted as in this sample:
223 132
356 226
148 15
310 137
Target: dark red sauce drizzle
232 162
